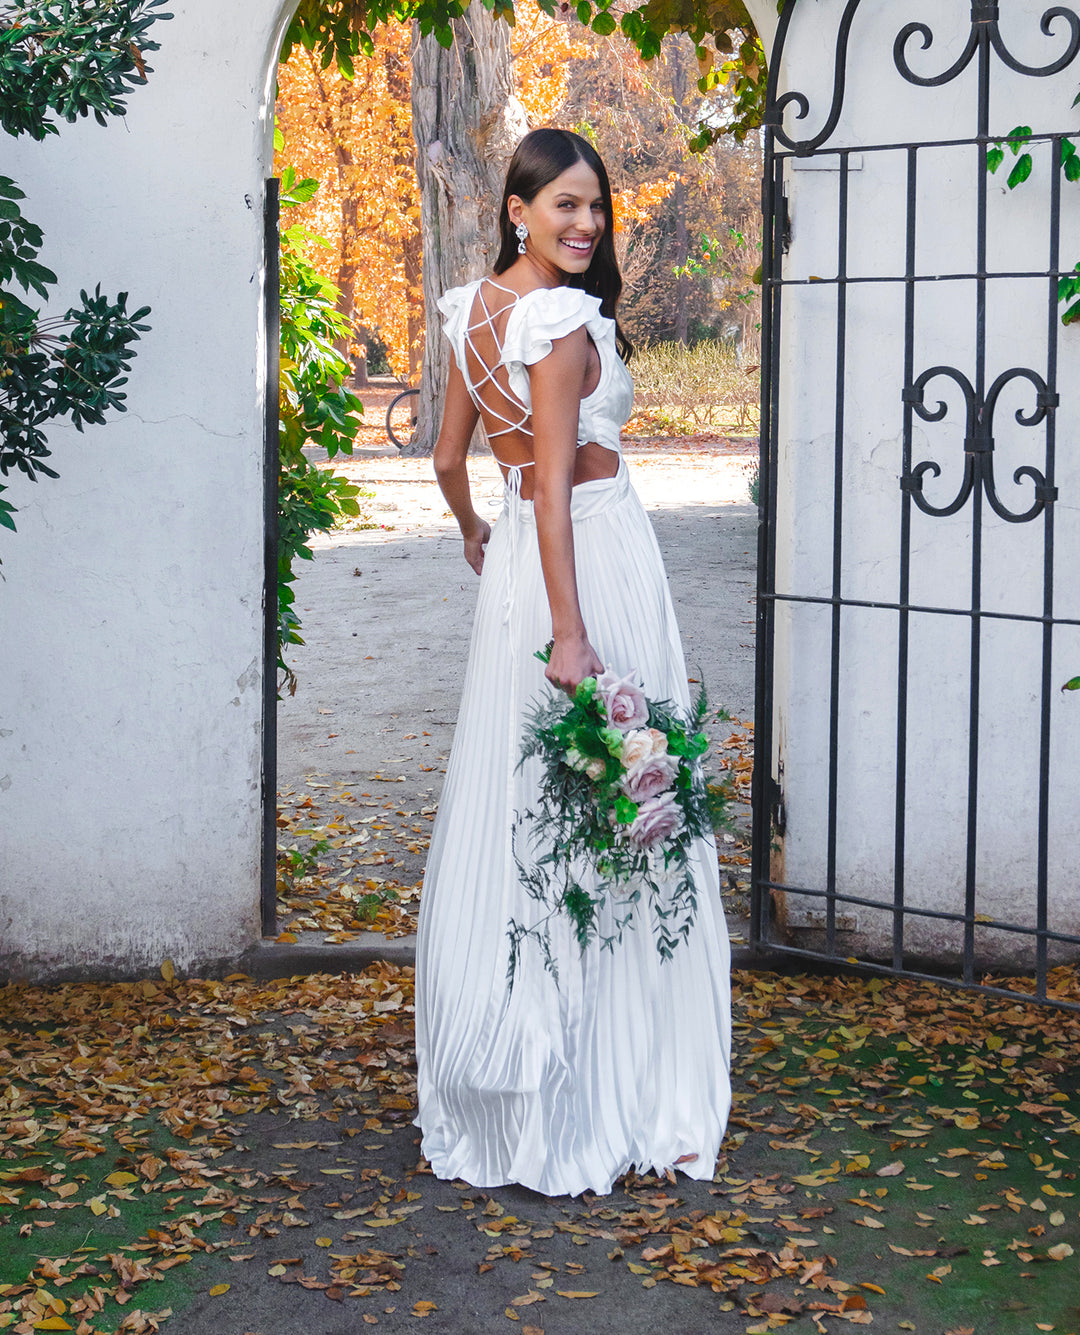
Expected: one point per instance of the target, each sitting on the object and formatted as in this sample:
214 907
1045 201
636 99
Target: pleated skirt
624 1062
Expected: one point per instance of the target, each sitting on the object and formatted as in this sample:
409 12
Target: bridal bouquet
621 801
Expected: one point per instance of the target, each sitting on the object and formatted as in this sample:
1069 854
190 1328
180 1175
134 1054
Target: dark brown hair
540 157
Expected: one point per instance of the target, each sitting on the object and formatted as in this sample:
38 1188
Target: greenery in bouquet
621 801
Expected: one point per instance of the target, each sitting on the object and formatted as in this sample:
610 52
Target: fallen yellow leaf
324 1242
577 1293
168 970
1060 1252
891 1169
52 1323
219 1289
121 1179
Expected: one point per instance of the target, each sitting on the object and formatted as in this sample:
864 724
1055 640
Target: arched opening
387 614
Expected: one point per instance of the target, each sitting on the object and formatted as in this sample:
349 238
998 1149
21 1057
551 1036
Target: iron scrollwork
984 29
775 115
979 443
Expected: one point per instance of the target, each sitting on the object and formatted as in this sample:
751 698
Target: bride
624 1063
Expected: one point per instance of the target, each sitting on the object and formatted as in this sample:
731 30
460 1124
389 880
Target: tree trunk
399 83
682 256
350 231
682 244
414 281
466 123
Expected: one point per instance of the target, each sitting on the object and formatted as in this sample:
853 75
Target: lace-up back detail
489 376
498 382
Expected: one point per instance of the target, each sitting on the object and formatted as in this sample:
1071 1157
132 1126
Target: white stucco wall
881 107
130 613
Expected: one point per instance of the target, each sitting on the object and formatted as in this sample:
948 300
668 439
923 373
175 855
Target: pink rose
624 702
658 819
649 776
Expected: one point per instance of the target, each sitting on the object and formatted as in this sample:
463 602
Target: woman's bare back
506 419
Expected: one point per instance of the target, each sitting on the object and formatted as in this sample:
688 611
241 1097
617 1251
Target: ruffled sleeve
546 314
454 306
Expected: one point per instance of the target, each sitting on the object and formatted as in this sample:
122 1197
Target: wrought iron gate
812 586
272 337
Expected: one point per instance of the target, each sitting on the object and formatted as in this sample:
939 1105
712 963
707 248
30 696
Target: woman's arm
460 416
555 385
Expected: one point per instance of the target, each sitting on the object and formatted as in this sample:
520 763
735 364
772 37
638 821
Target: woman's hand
475 542
571 661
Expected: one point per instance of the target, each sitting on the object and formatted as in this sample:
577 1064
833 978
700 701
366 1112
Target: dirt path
386 617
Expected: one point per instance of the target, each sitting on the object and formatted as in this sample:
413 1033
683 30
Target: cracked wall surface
131 612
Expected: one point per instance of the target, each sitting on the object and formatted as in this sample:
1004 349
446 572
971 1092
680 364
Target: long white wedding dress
624 1063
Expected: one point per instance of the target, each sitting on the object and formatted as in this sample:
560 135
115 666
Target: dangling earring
522 233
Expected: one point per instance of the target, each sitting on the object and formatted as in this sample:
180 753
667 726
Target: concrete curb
270 959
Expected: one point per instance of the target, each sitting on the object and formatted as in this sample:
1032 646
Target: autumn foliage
355 137
685 221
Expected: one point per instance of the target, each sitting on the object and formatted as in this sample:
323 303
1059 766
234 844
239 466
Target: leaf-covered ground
234 1157
351 859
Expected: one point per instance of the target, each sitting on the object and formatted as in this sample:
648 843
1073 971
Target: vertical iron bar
904 596
772 260
272 312
1048 694
971 871
837 553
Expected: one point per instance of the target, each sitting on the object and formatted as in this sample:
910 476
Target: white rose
637 746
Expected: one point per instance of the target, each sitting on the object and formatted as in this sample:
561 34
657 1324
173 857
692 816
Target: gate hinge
777 809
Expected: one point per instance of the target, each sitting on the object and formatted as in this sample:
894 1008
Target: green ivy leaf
604 25
1017 137
1020 172
1073 684
994 158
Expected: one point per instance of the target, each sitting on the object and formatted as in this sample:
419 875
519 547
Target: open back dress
623 1063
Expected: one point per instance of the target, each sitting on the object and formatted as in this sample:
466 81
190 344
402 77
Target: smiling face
565 221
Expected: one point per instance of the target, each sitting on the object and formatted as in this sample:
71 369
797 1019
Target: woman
623 1063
